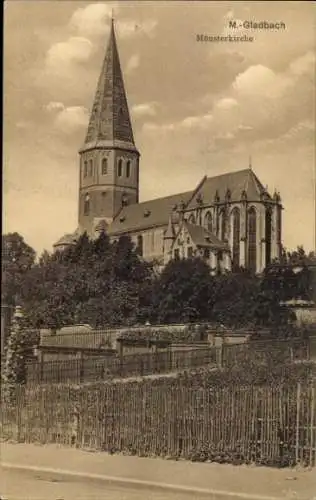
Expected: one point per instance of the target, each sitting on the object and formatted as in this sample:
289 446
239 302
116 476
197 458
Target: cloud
74 50
133 63
227 103
71 118
303 65
202 121
92 20
145 109
54 106
188 123
256 79
130 28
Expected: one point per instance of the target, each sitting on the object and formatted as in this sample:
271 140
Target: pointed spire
110 119
170 232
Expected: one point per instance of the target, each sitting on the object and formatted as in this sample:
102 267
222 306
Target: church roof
233 182
110 122
156 212
147 214
201 237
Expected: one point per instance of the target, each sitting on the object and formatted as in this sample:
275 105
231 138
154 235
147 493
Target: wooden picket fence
271 425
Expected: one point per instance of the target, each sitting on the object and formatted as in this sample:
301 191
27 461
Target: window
90 167
85 169
153 240
206 253
191 219
208 222
128 168
190 252
86 208
223 225
176 254
104 169
252 240
120 167
236 238
140 245
268 236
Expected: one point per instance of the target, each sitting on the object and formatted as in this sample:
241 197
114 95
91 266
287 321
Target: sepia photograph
158 299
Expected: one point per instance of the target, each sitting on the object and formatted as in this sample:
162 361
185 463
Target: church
229 220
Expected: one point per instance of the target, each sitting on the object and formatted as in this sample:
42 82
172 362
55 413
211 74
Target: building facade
230 220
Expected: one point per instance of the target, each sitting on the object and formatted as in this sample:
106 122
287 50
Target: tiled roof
234 182
204 238
110 118
147 214
156 212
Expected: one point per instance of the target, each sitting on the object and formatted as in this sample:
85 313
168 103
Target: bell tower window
120 167
85 169
90 168
128 168
86 208
104 168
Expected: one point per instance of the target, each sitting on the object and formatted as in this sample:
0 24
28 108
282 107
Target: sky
197 108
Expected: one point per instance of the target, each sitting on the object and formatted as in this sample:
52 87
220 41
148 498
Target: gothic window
85 169
206 253
128 168
120 167
153 240
191 219
223 225
208 222
268 235
91 167
140 244
190 252
236 238
86 208
252 240
104 169
177 254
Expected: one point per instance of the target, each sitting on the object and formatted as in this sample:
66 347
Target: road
29 485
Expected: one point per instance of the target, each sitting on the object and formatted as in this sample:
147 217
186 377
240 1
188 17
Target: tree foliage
293 276
94 281
17 259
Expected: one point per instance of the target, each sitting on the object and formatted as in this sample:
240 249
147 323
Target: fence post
81 367
41 372
298 403
312 449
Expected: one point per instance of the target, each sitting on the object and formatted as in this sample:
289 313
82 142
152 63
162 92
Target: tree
93 282
184 292
17 259
20 344
293 276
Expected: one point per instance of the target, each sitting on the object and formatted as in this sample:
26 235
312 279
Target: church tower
109 159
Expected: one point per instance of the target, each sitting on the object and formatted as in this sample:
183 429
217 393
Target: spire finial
250 162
